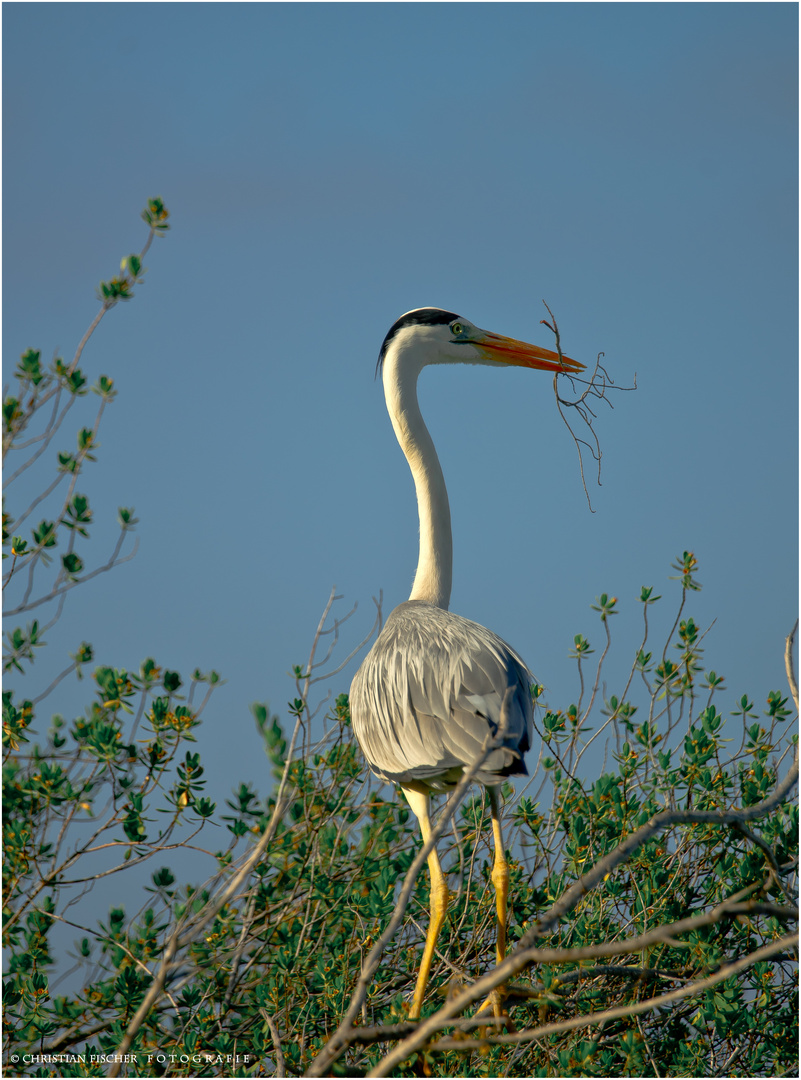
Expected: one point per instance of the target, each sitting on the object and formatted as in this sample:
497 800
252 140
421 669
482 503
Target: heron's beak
507 350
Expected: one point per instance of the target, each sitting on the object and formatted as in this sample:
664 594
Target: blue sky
328 167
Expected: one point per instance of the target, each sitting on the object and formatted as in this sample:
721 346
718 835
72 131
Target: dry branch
604 1017
599 382
526 954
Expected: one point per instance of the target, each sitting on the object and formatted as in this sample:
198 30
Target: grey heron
435 683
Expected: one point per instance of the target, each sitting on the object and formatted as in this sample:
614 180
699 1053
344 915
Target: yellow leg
418 800
500 879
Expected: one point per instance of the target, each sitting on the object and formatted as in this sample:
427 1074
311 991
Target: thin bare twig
114 560
788 663
599 383
280 1066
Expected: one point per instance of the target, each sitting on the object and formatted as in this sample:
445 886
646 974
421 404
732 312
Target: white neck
432 582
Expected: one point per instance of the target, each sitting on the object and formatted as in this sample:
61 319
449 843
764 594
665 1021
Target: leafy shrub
650 905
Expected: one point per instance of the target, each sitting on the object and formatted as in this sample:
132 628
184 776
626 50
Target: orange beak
507 350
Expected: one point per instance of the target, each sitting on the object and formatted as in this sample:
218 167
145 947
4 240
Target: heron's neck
432 582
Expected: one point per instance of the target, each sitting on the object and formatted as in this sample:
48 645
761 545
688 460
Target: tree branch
526 954
788 663
658 1002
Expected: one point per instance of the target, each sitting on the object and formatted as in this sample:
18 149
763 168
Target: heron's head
434 336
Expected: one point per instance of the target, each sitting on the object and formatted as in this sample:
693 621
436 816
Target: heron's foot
495 1001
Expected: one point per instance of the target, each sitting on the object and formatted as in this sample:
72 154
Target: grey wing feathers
429 690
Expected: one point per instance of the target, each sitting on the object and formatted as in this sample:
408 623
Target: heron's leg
418 800
500 879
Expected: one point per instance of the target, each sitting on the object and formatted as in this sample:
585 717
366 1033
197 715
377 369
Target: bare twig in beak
599 383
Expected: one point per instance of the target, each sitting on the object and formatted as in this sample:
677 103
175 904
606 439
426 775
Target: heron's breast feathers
430 691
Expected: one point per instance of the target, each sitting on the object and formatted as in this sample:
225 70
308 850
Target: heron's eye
456 328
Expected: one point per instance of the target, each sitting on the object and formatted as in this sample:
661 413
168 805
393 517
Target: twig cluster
598 385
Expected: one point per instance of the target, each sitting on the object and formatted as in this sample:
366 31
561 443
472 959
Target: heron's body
433 686
430 689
